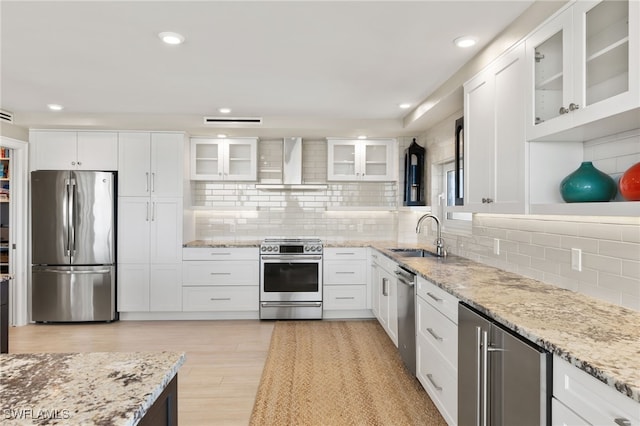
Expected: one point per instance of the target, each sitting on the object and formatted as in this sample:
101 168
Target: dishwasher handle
406 277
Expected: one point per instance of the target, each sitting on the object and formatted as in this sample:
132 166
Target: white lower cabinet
346 293
386 294
149 288
220 280
437 347
581 399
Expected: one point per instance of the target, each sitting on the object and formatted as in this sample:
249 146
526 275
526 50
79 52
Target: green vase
587 184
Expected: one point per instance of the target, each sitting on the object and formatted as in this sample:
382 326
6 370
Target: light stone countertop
94 388
600 338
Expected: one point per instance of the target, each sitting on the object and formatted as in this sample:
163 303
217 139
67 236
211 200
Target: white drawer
222 298
220 273
345 272
438 298
220 253
439 330
591 399
438 378
334 253
344 297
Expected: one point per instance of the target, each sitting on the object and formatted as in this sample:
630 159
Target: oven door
291 278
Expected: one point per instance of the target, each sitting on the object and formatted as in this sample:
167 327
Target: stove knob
314 248
307 248
263 248
276 248
270 248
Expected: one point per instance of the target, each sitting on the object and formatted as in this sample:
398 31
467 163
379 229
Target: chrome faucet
439 241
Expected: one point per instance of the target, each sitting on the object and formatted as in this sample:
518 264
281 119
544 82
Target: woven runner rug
338 373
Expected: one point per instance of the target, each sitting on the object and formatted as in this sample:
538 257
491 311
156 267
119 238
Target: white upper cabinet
583 67
70 150
150 164
371 160
495 145
224 159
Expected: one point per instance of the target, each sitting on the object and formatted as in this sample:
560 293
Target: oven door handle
291 304
293 257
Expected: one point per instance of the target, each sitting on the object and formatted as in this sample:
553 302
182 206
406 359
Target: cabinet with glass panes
5 173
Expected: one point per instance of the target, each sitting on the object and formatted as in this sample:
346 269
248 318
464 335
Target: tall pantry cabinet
150 221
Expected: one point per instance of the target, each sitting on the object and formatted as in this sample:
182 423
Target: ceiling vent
233 120
6 116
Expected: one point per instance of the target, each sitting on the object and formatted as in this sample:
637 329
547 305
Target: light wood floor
216 385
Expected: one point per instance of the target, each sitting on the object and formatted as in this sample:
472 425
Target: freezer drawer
73 293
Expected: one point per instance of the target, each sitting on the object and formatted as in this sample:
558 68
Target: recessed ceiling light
225 110
171 38
405 106
55 107
362 137
465 41
221 135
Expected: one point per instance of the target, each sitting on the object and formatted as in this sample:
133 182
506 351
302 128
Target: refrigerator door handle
72 218
65 218
485 380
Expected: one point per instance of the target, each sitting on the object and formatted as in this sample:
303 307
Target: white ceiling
305 67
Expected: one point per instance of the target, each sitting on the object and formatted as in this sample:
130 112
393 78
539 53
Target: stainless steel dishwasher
407 318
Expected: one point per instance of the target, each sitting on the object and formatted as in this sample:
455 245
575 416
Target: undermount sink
412 252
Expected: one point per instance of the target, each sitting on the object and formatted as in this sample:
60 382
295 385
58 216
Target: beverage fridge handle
485 381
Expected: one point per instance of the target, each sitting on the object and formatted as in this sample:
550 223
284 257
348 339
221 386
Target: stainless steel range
291 278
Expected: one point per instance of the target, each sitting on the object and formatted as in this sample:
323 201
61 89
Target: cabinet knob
79 163
563 110
573 107
73 163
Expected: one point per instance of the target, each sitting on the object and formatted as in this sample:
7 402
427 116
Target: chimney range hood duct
292 168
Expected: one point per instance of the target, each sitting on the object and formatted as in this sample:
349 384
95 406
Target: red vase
630 183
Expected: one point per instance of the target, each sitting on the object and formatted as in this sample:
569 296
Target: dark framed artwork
459 161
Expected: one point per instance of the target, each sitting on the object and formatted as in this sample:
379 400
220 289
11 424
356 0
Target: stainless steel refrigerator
73 246
502 379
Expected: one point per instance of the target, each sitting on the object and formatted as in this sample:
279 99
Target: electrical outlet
576 259
496 246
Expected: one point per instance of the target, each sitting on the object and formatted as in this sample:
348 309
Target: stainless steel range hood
292 168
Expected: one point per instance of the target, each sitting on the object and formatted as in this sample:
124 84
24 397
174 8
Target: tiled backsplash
539 247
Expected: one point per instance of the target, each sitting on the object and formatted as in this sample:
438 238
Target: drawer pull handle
220 254
346 254
220 273
345 272
434 297
220 298
435 385
435 336
344 297
622 421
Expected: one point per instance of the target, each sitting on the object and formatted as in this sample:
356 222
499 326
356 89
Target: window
452 219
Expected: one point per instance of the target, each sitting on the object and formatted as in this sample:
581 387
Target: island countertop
94 388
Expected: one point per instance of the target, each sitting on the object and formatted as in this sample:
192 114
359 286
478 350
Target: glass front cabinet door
584 66
370 160
224 159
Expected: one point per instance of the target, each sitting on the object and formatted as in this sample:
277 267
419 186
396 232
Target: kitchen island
98 388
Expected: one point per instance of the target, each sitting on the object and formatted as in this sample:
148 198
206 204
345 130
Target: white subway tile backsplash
604 231
621 250
587 245
547 240
619 283
602 263
630 269
530 250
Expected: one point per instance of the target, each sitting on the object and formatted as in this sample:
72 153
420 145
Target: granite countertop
98 388
600 338
221 244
